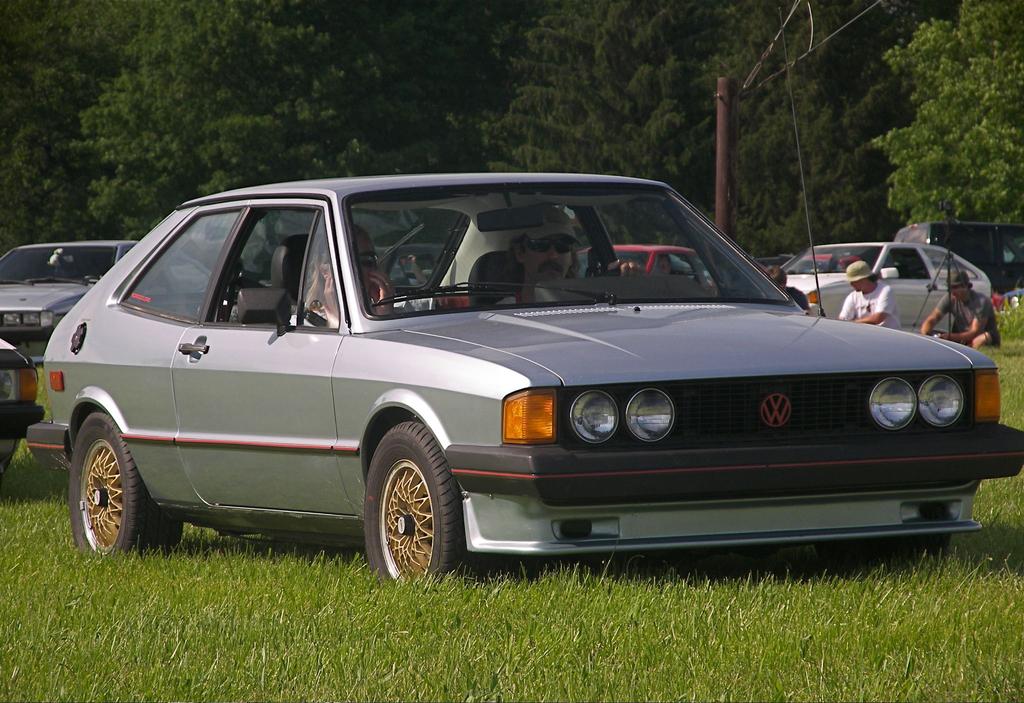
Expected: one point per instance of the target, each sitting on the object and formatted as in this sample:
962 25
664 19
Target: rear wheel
412 515
111 510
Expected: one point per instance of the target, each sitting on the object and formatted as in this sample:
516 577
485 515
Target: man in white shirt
871 302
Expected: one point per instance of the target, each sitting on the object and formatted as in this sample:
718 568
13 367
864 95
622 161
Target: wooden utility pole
727 98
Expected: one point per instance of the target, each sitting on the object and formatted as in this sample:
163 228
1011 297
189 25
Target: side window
268 254
1013 245
972 243
176 283
907 261
320 292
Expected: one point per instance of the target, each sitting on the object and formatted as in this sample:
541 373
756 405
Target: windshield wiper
55 279
464 288
467 287
13 282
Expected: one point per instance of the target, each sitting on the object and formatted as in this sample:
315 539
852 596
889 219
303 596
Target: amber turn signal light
528 417
812 297
986 395
57 381
27 384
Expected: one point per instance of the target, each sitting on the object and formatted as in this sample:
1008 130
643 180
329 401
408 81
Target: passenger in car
871 302
974 319
376 285
321 298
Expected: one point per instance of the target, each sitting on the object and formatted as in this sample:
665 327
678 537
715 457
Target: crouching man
974 318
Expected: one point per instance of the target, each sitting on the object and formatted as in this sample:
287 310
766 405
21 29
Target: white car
916 272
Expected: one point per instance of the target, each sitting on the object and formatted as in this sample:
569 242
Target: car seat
492 267
286 265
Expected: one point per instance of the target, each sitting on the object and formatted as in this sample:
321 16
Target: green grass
227 619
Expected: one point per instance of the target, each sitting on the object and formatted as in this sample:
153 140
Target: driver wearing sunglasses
549 253
545 255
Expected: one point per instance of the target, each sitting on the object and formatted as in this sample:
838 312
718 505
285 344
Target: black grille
717 411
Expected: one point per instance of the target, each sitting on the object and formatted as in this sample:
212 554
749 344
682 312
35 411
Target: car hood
58 297
625 344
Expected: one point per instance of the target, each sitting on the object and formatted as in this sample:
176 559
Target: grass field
226 619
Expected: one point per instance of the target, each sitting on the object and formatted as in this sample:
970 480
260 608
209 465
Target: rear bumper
564 477
50 444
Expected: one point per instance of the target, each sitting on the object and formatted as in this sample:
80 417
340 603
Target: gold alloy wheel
102 496
406 521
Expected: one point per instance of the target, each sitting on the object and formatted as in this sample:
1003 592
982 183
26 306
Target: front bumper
15 419
559 476
553 500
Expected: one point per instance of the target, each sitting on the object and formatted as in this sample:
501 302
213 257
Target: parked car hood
804 282
662 342
58 297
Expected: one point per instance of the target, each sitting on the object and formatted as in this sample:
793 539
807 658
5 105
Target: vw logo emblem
775 410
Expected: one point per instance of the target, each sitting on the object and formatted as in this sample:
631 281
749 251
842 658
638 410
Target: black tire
404 540
111 510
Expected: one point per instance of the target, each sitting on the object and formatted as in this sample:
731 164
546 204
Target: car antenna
800 162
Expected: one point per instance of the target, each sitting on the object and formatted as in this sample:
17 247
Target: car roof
362 184
78 243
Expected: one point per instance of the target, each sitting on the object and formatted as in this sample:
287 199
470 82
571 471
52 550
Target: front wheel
111 510
412 516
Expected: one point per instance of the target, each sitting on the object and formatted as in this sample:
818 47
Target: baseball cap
960 278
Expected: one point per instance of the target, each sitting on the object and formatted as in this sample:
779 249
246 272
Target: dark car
40 282
18 407
996 248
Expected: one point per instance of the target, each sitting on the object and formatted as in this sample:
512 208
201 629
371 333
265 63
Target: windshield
66 263
834 258
426 250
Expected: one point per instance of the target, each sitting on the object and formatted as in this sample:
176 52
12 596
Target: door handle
197 347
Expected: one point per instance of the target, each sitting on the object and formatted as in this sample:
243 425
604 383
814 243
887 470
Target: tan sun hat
857 271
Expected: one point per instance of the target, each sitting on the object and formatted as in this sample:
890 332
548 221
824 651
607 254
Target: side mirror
890 272
265 306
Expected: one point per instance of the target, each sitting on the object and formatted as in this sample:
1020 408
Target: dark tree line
113 112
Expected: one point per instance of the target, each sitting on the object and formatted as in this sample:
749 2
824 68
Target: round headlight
893 403
8 389
940 401
649 415
594 416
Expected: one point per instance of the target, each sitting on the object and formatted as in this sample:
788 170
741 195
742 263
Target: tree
966 142
845 95
611 86
54 57
221 95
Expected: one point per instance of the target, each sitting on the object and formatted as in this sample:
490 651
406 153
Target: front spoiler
561 476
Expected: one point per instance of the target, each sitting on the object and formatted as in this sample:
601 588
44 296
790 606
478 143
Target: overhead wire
811 47
768 50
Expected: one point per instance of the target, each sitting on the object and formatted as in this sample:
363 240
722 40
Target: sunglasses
367 259
562 245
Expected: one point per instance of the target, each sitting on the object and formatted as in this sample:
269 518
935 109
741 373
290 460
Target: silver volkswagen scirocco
449 365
